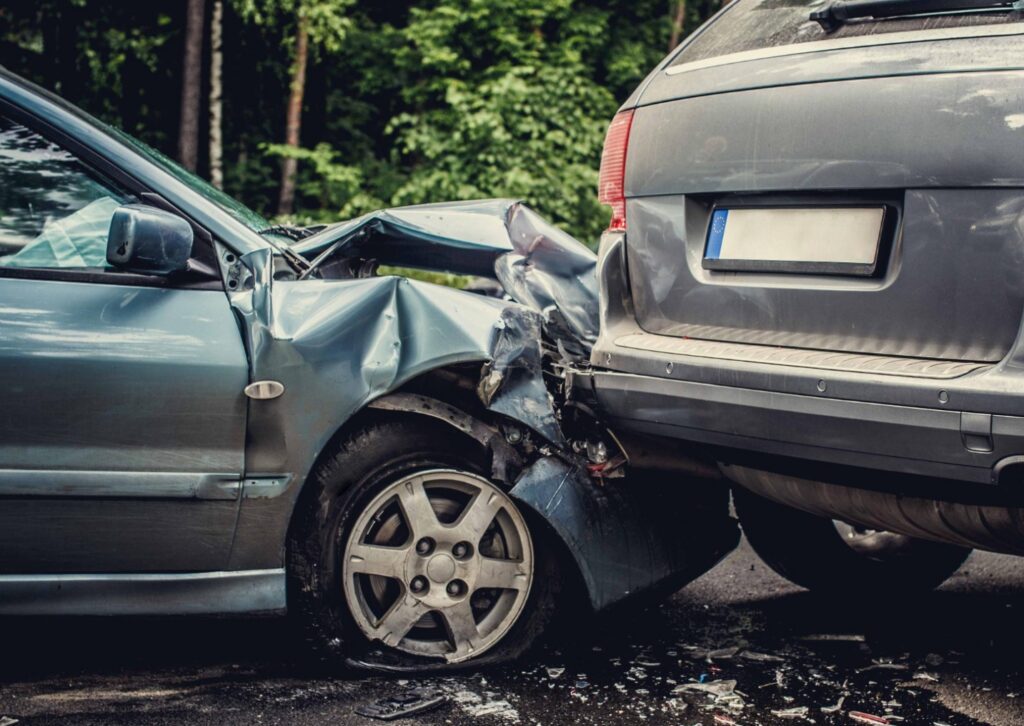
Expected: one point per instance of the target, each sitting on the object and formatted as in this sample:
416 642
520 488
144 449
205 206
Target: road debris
404 705
753 655
836 708
475 705
883 667
794 712
868 718
832 638
7 721
555 673
723 693
714 688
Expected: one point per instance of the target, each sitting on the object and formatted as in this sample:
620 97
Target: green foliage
507 107
337 188
406 102
326 20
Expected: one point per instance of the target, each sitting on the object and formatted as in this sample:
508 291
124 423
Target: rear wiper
833 15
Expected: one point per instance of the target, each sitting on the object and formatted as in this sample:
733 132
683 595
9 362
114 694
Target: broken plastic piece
869 718
416 701
834 709
794 712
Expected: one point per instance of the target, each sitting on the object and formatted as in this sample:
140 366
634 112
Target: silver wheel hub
439 563
441 568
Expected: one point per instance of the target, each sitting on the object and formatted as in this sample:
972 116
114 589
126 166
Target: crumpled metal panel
630 535
336 345
538 265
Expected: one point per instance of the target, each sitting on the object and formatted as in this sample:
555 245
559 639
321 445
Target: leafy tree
330 108
191 75
320 22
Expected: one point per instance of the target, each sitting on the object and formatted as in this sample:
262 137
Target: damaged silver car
204 413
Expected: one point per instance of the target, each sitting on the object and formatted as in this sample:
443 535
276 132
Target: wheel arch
470 420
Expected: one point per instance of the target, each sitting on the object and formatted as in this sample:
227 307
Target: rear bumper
919 441
963 425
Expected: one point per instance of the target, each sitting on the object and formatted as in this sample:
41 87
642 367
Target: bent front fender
628 536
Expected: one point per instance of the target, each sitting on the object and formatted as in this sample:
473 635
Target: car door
122 412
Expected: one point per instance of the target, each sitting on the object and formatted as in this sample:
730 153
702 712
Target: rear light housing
611 187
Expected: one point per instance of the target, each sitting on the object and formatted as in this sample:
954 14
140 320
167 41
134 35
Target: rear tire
365 562
811 552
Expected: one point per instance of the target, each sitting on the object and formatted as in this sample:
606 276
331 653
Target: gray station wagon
813 279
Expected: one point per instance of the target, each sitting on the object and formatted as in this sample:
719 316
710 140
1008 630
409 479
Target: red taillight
611 188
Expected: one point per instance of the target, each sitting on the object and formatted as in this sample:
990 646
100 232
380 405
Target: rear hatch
855 191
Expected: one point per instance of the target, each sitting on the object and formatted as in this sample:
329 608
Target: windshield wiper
832 16
299 263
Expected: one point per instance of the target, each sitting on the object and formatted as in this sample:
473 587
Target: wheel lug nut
455 588
425 546
418 584
460 550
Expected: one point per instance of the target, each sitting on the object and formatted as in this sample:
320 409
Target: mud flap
628 536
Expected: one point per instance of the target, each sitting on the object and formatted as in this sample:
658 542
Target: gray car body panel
138 392
930 123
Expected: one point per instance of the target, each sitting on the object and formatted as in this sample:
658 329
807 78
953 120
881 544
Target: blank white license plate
816 240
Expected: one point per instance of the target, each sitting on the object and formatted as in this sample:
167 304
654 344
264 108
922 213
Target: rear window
757 24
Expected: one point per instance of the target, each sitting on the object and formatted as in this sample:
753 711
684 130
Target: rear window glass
757 24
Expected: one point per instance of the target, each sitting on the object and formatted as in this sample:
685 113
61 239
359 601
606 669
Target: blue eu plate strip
716 233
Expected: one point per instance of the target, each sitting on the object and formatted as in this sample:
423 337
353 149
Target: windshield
232 206
756 24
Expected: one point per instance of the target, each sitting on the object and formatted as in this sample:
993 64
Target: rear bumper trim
827 360
900 439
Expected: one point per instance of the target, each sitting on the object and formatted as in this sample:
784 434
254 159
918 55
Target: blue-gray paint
203 593
118 484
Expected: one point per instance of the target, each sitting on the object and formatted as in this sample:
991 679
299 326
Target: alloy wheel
440 563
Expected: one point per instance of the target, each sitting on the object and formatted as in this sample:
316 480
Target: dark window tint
757 24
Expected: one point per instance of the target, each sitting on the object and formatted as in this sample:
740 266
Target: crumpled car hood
537 264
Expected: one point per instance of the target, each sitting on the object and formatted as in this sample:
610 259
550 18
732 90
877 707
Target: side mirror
148 241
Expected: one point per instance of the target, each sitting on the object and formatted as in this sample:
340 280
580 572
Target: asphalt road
952 657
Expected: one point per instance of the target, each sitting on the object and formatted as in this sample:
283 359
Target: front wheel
409 550
829 556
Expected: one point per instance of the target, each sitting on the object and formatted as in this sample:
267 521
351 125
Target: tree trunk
289 165
678 24
216 89
191 81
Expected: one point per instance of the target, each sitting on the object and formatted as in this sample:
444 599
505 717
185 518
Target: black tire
344 483
810 551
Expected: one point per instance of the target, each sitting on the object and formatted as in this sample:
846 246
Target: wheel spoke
377 560
419 515
398 621
478 515
501 574
463 628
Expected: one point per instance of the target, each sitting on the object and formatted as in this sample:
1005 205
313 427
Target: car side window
54 212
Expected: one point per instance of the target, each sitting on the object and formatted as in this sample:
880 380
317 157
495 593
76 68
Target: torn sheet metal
336 345
537 264
626 537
